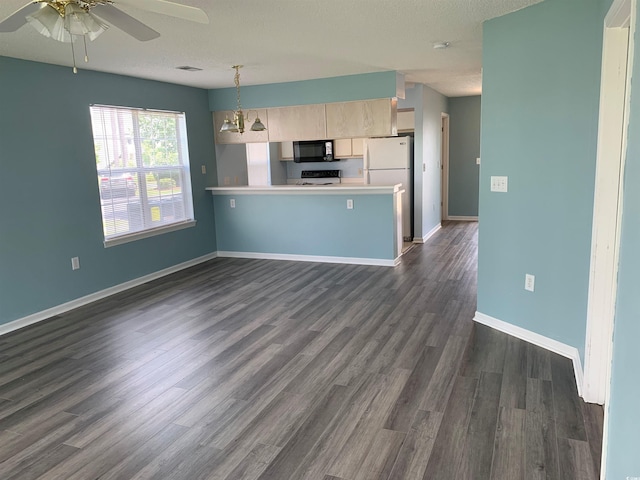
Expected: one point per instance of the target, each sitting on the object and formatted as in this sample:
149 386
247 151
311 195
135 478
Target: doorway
444 168
617 59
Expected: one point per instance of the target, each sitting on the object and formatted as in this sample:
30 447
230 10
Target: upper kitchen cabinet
348 148
248 136
366 118
286 151
406 120
302 122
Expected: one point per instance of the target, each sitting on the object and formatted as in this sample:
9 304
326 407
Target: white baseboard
455 218
312 258
541 341
92 297
428 235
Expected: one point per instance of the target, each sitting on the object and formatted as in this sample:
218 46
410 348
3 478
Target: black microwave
313 151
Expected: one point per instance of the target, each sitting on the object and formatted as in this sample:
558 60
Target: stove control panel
320 174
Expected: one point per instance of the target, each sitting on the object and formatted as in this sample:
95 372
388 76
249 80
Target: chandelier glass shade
60 25
78 21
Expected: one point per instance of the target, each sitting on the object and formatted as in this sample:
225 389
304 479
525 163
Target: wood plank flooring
252 369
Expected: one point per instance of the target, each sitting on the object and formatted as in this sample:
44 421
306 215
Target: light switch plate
529 282
499 184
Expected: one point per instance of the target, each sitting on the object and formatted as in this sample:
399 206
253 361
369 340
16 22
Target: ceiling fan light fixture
78 21
48 22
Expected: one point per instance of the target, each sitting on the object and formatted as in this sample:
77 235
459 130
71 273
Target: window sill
112 242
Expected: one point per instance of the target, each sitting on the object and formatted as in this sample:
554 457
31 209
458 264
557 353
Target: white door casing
617 63
606 215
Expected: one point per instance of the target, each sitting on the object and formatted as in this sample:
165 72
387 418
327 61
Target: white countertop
335 189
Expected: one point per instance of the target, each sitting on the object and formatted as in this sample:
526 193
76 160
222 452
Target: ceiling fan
64 19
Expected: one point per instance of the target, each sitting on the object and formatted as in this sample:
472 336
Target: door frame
444 167
615 89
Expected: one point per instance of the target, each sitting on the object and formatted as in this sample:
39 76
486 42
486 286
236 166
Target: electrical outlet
204 169
499 184
478 161
424 167
529 282
237 180
232 203
227 180
360 171
75 263
349 204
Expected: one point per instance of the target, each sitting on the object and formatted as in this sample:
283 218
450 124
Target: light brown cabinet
348 147
248 136
303 122
286 151
347 121
406 121
368 118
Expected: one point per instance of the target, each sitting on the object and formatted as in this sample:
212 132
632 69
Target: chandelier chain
236 79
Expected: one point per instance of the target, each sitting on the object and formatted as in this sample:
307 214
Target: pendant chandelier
237 125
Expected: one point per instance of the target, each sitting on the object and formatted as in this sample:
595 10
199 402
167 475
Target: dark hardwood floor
253 369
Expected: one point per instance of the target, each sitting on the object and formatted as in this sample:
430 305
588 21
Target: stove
319 177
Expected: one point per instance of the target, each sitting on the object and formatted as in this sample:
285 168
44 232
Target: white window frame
141 171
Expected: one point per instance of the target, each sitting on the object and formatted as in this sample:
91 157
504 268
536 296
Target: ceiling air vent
189 68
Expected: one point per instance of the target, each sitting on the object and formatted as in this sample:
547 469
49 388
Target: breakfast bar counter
339 223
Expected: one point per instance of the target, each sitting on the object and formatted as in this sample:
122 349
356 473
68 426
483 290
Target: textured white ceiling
288 40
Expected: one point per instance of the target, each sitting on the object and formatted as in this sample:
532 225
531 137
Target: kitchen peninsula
342 223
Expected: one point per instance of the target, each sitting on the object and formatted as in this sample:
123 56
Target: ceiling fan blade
125 22
170 9
14 21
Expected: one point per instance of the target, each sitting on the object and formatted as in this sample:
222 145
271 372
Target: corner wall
541 80
428 107
49 199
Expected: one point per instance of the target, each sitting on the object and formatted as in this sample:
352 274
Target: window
143 172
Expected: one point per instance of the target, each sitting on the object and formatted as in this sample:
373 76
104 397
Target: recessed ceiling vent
188 68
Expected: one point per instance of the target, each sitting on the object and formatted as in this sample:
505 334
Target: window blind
142 162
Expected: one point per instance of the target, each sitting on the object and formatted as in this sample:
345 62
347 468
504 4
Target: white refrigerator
389 161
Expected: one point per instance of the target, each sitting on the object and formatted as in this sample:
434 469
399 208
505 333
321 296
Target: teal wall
623 460
49 201
541 79
307 92
464 148
307 225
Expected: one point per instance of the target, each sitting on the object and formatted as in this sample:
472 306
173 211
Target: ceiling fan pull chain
86 54
73 54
